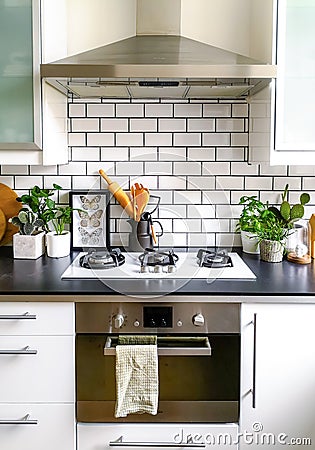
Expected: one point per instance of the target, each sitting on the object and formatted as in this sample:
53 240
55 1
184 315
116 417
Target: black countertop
43 277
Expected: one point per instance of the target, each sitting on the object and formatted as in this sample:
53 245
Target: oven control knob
198 320
118 320
136 323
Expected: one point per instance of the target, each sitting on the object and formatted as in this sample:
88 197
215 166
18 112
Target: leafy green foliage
271 228
27 221
250 216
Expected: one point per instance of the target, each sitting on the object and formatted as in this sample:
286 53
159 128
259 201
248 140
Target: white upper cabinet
24 107
281 118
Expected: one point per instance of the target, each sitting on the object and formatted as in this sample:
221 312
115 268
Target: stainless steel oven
198 359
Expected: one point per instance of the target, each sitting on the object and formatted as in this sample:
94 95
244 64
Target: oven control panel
179 317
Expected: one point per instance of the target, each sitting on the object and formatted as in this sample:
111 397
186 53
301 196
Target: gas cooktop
158 264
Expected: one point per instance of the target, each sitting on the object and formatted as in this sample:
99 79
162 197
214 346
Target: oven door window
187 380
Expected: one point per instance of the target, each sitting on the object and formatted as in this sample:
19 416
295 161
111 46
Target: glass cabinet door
295 85
19 78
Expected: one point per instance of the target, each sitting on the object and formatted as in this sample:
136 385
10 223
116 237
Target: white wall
261 18
94 23
158 17
223 23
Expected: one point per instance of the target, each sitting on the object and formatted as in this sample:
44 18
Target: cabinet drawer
103 436
34 318
37 369
54 427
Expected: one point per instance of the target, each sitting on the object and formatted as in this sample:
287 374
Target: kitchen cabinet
277 375
24 107
37 376
281 119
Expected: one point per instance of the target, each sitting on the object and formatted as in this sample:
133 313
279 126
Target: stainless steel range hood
158 66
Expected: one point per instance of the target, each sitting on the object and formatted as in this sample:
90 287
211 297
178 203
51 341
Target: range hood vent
158 66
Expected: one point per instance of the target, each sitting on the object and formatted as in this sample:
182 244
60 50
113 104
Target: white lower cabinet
37 399
37 427
153 437
278 376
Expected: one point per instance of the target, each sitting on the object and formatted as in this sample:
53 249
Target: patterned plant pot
271 251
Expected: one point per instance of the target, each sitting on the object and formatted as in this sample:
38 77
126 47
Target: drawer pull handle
24 316
120 443
24 421
23 351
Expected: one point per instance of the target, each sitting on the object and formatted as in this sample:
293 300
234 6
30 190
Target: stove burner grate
215 259
158 260
102 259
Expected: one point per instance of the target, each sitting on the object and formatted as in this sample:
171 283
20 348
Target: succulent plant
288 214
27 221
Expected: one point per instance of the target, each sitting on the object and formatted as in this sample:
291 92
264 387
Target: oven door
198 379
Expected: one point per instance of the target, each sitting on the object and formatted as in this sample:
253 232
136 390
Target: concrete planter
28 246
271 251
58 245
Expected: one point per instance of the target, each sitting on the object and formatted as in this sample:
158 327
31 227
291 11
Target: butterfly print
90 221
92 204
90 238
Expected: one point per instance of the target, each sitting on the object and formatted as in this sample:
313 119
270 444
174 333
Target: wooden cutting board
10 208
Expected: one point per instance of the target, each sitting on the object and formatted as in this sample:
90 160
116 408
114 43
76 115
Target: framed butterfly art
90 219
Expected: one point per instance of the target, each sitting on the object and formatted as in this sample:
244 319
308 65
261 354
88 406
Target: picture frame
90 219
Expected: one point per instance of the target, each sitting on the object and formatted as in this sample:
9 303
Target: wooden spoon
141 197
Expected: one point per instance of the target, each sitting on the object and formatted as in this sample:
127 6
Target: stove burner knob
158 269
198 320
118 320
171 269
144 269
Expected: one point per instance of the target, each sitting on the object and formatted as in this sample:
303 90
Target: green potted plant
288 217
249 223
29 242
271 237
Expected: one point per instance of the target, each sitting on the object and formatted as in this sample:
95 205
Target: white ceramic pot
28 246
250 243
58 245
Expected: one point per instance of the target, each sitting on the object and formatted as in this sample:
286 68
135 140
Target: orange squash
10 208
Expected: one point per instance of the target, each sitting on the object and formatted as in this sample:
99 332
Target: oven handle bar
205 350
120 443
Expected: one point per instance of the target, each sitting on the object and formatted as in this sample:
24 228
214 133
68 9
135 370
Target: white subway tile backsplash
85 154
229 125
172 154
216 110
158 110
215 168
143 153
101 110
187 168
101 139
226 183
158 139
187 110
73 168
86 182
240 110
159 168
143 125
200 182
114 125
130 110
129 139
27 182
192 154
114 153
230 154
77 110
216 139
187 139
201 153
261 183
172 124
14 170
85 125
239 168
293 182
129 168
